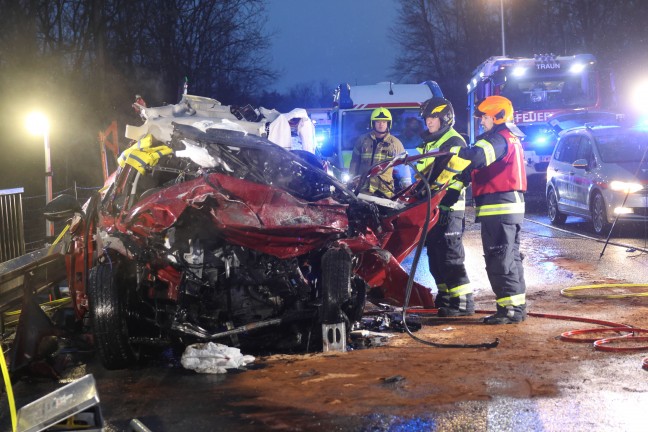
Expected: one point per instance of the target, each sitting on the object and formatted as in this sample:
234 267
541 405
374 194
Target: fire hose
10 396
410 283
603 344
627 333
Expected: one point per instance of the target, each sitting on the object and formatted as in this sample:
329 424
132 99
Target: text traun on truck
539 88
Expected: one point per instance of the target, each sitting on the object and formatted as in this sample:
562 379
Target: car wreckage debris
206 232
214 358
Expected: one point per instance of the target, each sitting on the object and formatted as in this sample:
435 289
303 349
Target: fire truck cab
352 107
539 88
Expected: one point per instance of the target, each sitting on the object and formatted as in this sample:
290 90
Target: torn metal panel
220 235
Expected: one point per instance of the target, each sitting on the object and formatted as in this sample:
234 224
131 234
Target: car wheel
336 283
599 215
555 216
336 292
109 314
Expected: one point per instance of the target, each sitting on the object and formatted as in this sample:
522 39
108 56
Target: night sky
332 40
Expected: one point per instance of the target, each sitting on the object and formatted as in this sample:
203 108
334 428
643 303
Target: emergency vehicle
352 107
539 88
321 118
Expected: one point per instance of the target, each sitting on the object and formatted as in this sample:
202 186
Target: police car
599 172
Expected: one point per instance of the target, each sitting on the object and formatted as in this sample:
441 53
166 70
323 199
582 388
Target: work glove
444 215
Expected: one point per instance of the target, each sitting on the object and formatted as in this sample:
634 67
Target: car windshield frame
622 146
554 91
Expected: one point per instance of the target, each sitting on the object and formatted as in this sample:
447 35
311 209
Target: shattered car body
231 238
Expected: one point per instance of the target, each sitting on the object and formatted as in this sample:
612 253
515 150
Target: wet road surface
531 382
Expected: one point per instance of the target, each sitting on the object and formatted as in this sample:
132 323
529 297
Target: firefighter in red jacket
499 183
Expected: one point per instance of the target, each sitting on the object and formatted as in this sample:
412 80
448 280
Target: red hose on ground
567 336
599 344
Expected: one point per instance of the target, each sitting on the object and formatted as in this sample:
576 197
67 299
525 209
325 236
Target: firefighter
378 146
499 183
444 241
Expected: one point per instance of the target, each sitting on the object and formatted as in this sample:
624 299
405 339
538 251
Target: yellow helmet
498 107
382 114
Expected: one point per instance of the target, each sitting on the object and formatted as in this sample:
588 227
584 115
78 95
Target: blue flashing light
320 140
519 71
577 68
642 123
540 139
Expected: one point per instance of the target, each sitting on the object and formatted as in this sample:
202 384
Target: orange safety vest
504 175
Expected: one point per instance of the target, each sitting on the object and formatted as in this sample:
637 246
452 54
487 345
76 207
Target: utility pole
502 20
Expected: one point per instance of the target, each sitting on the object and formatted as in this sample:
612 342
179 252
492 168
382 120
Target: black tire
336 294
336 284
108 300
599 215
555 216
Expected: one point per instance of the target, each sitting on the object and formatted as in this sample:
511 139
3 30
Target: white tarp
213 358
205 113
279 131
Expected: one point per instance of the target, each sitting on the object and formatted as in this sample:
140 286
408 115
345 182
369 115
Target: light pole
502 20
38 124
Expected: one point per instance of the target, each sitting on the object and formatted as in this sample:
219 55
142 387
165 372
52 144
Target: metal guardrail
43 270
12 232
34 220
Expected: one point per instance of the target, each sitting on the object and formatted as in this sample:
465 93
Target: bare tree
446 40
84 60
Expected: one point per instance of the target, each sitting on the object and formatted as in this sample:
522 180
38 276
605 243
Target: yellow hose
3 364
12 317
567 292
10 396
58 239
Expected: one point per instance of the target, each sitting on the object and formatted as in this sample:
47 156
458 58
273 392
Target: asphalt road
580 391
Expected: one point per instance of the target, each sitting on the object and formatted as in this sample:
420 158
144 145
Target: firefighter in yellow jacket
444 241
375 147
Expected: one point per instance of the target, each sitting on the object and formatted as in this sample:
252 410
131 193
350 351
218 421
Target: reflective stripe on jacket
369 151
455 166
141 154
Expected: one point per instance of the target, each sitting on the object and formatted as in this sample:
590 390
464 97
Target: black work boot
458 306
442 300
507 315
452 312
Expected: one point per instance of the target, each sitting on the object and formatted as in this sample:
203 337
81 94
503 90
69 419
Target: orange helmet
498 107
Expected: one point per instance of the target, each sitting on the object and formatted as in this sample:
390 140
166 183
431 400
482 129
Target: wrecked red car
224 236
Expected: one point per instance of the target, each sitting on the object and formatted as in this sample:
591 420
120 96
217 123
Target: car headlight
346 177
625 187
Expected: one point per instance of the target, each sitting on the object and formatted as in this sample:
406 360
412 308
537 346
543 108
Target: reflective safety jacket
498 176
451 141
370 150
142 154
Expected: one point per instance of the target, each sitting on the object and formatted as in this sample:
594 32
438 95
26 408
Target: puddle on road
550 261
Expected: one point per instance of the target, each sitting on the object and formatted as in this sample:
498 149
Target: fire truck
539 88
352 107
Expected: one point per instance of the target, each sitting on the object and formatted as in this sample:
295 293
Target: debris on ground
213 358
369 339
388 321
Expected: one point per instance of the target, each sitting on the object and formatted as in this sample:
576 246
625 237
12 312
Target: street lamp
502 20
38 124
